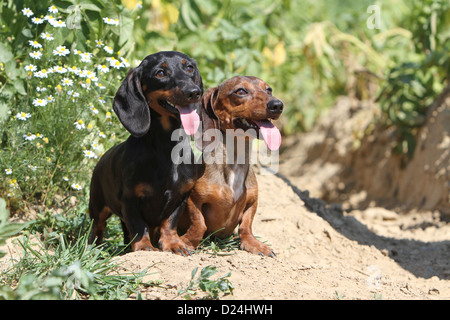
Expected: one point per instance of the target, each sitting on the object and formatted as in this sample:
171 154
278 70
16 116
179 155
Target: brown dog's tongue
270 133
189 119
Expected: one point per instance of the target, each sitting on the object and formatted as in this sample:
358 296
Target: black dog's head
169 83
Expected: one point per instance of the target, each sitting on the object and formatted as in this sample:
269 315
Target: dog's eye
269 91
160 73
190 68
241 92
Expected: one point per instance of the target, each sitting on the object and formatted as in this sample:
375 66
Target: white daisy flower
29 136
93 109
23 116
100 86
50 99
27 12
99 43
52 9
38 102
13 184
73 94
65 178
36 20
76 186
125 62
89 154
101 134
59 69
114 22
35 44
42 74
66 82
61 51
87 74
30 67
47 36
36 55
79 124
51 19
102 68
117 64
108 49
8 171
57 23
86 56
75 70
95 146
41 89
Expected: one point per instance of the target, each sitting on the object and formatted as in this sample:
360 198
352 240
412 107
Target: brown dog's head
243 103
169 83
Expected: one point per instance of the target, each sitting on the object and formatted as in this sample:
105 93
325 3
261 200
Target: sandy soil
370 240
321 253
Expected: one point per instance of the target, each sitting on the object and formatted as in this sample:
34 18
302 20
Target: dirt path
324 252
321 254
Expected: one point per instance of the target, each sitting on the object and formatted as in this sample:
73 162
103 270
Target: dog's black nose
275 106
193 93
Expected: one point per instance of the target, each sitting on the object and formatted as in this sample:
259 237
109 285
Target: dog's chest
236 182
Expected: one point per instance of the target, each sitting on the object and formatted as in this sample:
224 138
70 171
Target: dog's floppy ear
209 120
131 105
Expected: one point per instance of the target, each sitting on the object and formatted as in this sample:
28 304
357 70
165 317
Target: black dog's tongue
189 119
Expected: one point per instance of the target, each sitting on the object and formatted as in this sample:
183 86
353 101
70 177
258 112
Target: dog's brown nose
275 106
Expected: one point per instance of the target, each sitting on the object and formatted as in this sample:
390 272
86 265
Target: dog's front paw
256 247
175 245
143 244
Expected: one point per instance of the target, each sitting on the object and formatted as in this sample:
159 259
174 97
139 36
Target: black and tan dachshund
138 180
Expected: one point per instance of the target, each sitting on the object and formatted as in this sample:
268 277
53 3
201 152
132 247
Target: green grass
53 267
213 289
218 246
56 262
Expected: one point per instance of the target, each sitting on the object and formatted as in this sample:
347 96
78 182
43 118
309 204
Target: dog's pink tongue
189 119
270 133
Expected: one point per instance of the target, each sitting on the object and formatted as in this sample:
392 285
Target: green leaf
194 271
207 272
5 53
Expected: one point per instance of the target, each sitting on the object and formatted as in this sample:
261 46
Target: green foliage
59 269
412 86
7 229
212 288
61 68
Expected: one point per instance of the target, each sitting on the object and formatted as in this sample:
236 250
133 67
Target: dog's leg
135 228
169 239
99 218
248 241
197 225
